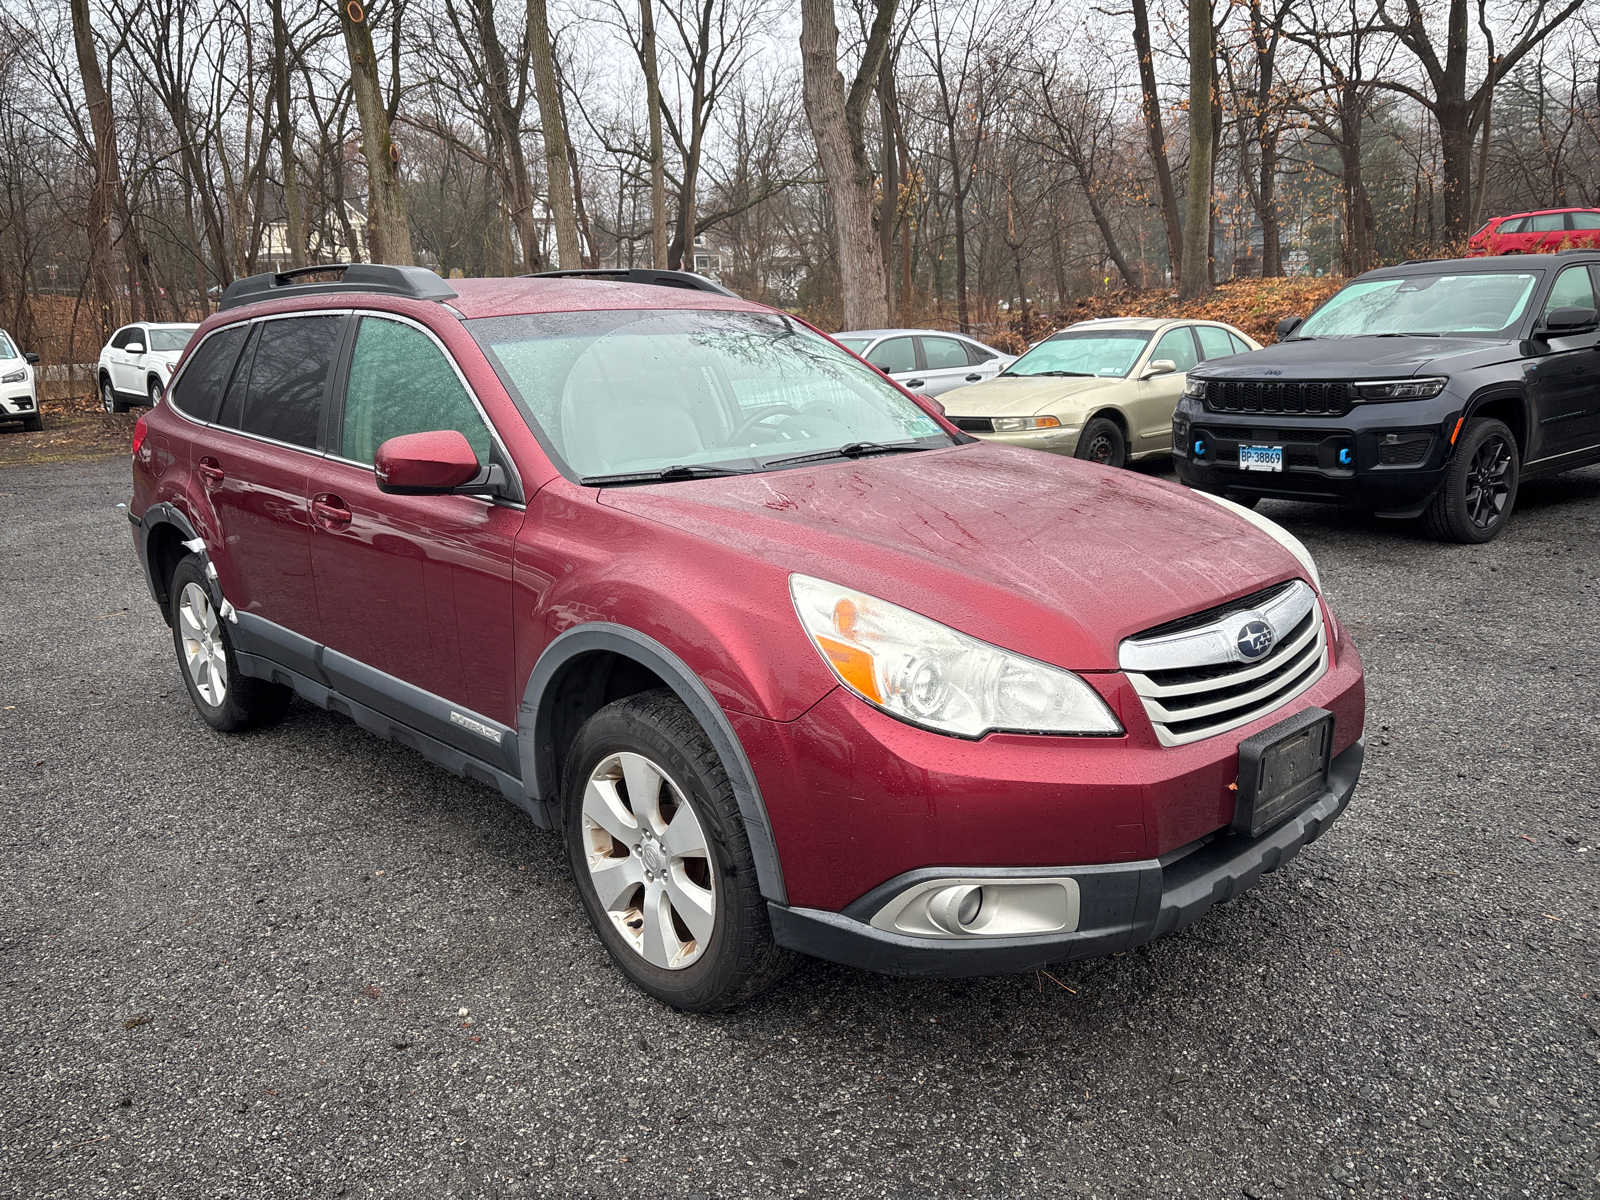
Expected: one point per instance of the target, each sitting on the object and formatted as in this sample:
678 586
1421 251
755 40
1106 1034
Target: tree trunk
103 189
1197 224
558 171
386 203
889 199
294 217
658 158
506 118
1158 141
1267 208
838 126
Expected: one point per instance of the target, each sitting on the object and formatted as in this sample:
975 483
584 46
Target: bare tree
386 205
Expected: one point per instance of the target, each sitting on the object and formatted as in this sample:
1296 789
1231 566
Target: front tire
1479 490
33 424
109 400
1101 441
227 700
660 855
155 392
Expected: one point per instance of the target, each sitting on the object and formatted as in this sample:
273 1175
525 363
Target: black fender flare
1490 394
537 753
160 513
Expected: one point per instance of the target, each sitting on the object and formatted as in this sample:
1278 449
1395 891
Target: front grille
1404 454
1193 681
973 424
1272 396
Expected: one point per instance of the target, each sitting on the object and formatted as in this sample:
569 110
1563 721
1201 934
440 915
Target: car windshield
171 339
1472 302
7 350
614 393
1105 352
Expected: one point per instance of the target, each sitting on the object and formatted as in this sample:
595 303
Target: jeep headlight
15 376
1400 389
930 675
1194 389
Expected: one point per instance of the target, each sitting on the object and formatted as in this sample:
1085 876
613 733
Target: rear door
946 365
254 465
1585 229
1566 382
414 592
1544 232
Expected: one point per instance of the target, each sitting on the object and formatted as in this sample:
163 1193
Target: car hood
1359 358
1021 396
1045 555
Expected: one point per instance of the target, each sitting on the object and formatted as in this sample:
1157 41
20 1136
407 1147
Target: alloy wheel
1488 483
649 861
108 397
204 656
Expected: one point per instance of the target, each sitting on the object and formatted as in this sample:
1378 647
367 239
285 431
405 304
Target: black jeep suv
1428 389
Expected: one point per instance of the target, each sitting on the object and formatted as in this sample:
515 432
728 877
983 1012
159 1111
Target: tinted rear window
288 374
199 387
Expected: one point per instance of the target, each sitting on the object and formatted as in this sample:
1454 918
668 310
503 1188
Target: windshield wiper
1054 374
1408 333
666 474
850 450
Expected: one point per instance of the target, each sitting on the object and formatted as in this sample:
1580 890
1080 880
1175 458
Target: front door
896 357
414 591
117 357
253 465
947 365
1565 382
1159 394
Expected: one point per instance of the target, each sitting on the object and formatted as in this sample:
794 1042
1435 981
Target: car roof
1143 323
1508 263
879 333
515 297
1534 212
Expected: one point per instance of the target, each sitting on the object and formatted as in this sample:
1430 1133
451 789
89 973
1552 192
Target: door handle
974 377
330 512
911 383
210 470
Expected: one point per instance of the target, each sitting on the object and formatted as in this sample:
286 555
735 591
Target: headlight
1194 388
1018 424
1274 531
15 376
930 675
1400 389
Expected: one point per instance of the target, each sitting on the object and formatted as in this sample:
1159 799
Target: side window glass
233 402
1240 346
976 354
288 373
400 383
1178 345
1547 223
1512 226
1573 289
206 373
943 354
119 339
1214 342
896 354
1587 220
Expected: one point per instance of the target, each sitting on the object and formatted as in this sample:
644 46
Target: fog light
1021 906
1345 456
1199 447
967 912
954 909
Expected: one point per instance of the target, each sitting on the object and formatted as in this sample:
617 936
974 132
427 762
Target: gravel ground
238 966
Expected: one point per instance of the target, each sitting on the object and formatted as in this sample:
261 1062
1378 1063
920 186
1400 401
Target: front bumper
19 402
1061 440
1120 905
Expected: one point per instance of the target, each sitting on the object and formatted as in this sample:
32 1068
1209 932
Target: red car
790 662
1542 232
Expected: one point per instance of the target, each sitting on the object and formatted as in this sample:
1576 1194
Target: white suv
137 362
19 396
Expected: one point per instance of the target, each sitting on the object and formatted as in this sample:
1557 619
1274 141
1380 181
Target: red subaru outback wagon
791 663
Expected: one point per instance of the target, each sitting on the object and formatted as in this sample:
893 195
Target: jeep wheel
109 400
1480 486
226 699
1102 442
660 855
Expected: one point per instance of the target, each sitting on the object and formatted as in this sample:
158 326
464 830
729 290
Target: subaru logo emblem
1255 639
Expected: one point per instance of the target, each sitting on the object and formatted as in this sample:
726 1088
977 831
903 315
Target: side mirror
429 464
1288 325
1159 366
1564 321
31 358
134 348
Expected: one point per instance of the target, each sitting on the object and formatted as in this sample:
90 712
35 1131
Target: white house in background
275 255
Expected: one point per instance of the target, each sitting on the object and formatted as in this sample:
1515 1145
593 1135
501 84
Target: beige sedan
1101 390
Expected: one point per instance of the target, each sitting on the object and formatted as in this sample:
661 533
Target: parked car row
790 662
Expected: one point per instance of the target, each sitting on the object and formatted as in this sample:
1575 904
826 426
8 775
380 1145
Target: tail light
139 430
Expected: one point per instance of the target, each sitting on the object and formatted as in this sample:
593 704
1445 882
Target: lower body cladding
968 921
1393 472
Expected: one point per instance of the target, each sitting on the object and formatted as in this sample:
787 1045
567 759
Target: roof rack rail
1579 250
687 280
417 283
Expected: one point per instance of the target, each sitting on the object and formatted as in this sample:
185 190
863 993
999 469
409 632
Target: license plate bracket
1260 458
1281 769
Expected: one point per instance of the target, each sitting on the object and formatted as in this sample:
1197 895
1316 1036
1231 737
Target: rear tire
673 859
227 700
1101 441
1479 490
155 392
109 400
